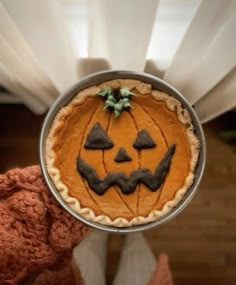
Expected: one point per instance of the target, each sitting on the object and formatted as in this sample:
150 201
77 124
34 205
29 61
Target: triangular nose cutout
122 156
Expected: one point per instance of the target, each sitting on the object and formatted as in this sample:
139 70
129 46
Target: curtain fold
37 60
218 61
13 85
120 31
219 100
206 53
42 25
18 62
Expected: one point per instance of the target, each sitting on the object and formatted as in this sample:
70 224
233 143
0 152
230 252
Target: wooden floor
201 241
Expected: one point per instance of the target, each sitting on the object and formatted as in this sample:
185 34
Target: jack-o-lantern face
120 166
129 150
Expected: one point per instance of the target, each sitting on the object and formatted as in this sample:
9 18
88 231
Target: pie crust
143 90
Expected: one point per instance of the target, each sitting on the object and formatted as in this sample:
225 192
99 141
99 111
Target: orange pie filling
157 114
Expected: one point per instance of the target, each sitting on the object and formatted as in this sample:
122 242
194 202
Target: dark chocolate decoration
144 140
127 184
122 156
98 139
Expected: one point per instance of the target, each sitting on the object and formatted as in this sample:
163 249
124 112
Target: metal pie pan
157 84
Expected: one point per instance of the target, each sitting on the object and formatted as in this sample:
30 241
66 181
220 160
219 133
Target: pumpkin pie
121 153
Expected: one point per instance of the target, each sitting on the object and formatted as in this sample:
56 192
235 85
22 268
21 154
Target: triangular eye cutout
98 139
144 140
122 156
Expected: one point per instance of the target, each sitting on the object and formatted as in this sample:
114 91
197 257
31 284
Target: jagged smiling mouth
127 184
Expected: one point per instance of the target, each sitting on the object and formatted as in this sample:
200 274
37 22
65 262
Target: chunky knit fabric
35 232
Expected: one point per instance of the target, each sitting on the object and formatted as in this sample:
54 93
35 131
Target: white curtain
42 53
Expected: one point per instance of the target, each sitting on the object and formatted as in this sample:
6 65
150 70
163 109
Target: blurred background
46 46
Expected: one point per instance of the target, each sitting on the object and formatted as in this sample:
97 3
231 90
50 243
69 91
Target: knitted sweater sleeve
35 232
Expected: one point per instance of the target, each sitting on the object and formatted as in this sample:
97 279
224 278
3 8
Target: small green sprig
118 100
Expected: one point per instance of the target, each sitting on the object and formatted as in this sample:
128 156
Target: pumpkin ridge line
139 163
156 203
161 188
157 125
183 183
104 165
82 142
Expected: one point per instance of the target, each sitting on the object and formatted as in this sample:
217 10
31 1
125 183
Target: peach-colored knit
35 232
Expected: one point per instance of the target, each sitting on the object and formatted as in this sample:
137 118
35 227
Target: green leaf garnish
125 93
118 100
105 92
117 113
109 104
127 105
